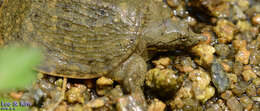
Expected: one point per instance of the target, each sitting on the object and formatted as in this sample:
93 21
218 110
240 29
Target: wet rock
239 88
226 95
254 57
190 20
97 103
239 44
226 66
173 3
200 85
219 77
243 4
251 90
184 64
237 68
62 107
256 19
243 26
104 81
256 99
222 50
238 13
75 94
162 63
248 75
104 85
246 102
185 92
205 52
164 80
242 56
234 104
131 103
225 30
115 93
156 105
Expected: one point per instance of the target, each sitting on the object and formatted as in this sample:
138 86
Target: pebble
234 104
222 50
156 105
242 56
162 62
173 3
243 25
239 44
205 52
248 75
219 77
257 99
97 103
256 19
75 94
104 81
246 102
225 30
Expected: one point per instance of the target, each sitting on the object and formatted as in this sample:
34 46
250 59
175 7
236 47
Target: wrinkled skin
92 38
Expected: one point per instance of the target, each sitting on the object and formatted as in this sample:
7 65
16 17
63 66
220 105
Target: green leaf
16 66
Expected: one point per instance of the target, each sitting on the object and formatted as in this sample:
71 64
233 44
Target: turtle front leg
131 74
169 34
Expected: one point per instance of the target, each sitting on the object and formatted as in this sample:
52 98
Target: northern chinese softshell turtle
87 39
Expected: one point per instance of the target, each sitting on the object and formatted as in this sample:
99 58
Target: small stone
210 92
248 75
243 4
104 81
239 44
256 19
162 62
251 90
75 94
238 13
156 105
133 102
225 30
62 107
190 20
97 103
246 102
159 79
257 81
184 64
242 56
226 95
219 77
239 88
221 10
209 37
234 104
173 3
200 78
76 107
243 25
59 82
222 50
205 52
257 99
226 67
232 77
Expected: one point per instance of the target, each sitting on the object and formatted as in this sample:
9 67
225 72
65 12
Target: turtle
85 39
